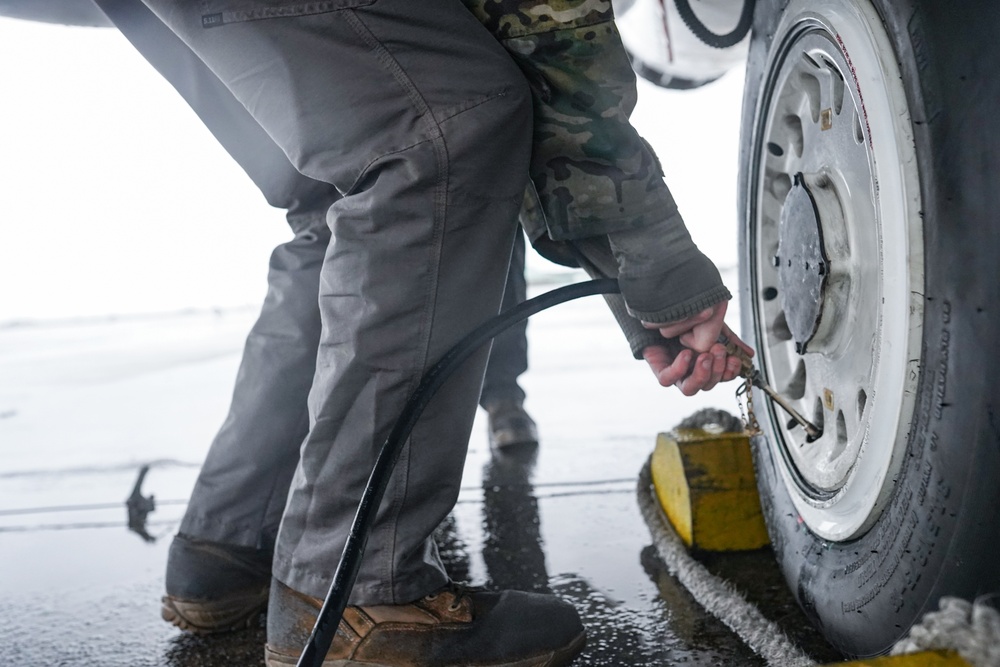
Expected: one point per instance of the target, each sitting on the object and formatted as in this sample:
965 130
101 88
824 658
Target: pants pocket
216 13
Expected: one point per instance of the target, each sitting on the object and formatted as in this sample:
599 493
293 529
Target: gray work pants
417 115
241 491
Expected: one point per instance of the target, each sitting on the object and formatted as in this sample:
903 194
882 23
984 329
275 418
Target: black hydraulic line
702 32
332 611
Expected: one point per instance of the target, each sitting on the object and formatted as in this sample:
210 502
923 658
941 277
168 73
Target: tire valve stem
753 376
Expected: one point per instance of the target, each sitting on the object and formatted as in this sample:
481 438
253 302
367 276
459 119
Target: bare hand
693 360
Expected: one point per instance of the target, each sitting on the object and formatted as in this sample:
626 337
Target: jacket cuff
684 309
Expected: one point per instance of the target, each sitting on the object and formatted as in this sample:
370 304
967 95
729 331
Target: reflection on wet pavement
139 507
244 647
512 546
617 633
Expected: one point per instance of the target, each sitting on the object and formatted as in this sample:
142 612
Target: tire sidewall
935 537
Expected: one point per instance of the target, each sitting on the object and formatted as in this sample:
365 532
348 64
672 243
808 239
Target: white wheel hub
836 275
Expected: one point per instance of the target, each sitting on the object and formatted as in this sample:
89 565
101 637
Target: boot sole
205 618
557 658
504 444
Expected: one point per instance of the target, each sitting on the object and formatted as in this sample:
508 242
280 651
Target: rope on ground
970 629
717 596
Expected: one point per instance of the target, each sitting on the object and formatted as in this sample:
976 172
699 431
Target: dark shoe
510 425
213 587
452 627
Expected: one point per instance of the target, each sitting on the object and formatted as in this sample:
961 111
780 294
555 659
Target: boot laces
458 591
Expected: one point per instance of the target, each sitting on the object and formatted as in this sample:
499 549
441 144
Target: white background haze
115 200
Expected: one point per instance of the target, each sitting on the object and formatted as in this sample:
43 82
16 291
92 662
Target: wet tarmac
84 405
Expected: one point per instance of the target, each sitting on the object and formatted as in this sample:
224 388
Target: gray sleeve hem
640 340
686 308
638 336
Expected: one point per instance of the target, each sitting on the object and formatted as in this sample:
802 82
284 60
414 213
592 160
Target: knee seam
440 149
395 69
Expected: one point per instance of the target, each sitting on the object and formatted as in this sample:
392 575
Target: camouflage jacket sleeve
591 173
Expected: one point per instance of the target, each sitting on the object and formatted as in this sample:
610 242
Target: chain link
744 394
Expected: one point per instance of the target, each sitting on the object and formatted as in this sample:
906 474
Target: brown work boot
510 425
450 628
214 587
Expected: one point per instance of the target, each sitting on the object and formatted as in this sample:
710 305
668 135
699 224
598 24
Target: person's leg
415 112
219 568
509 355
433 166
502 396
241 490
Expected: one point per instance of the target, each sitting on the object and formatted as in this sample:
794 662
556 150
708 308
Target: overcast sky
114 199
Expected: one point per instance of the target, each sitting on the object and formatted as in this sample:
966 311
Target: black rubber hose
329 616
702 32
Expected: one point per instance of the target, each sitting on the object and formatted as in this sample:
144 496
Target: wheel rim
836 260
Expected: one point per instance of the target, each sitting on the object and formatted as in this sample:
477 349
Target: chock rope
719 597
971 629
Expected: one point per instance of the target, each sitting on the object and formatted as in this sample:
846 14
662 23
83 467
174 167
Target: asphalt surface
84 405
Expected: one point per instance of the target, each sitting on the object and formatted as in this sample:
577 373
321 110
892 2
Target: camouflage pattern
591 172
522 18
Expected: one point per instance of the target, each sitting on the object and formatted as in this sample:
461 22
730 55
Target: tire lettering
941 388
896 554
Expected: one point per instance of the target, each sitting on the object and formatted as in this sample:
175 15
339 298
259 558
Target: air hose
702 32
332 611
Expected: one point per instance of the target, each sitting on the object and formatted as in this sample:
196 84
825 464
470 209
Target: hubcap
801 263
836 259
